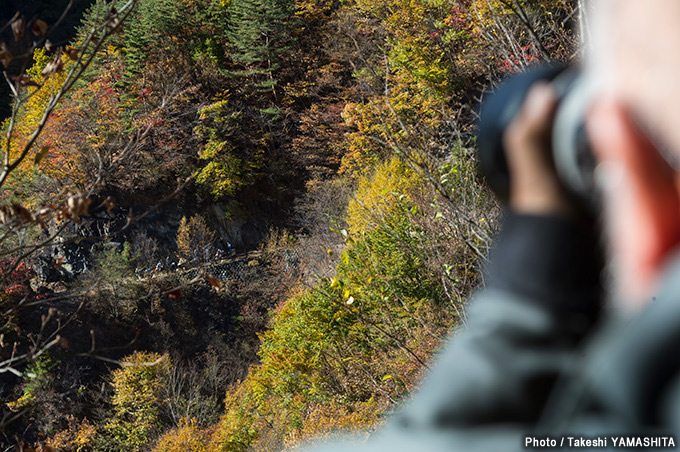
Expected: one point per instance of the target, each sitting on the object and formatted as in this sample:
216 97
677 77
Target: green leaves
259 36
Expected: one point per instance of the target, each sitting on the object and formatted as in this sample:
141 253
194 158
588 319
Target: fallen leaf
25 80
56 65
5 54
39 27
72 53
18 28
23 213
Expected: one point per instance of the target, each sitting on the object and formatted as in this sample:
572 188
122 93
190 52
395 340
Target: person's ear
642 203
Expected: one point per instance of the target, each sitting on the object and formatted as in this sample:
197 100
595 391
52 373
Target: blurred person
540 363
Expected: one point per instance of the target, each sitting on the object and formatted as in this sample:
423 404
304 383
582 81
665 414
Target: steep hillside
236 225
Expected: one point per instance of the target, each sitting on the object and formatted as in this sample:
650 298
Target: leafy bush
359 339
136 403
195 239
188 437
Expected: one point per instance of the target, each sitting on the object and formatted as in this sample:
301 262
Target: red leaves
16 282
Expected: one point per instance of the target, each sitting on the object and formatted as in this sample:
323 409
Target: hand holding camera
533 149
535 187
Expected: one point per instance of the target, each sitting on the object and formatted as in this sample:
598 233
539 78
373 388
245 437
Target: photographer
541 363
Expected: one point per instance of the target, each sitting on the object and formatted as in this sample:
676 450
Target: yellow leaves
193 236
187 437
323 418
378 193
78 437
39 91
137 399
382 123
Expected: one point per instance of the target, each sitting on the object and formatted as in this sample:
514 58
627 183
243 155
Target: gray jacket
537 365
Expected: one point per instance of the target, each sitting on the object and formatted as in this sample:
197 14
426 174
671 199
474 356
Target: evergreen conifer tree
260 36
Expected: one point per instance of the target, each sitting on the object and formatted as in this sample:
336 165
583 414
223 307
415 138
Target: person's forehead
635 57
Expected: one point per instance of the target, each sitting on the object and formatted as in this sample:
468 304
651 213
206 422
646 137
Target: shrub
188 437
136 402
195 239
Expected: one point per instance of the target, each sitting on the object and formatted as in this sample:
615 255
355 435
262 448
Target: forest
241 225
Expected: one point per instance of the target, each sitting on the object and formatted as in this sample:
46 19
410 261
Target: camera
571 153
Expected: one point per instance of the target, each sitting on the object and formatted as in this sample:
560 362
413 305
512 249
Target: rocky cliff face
151 231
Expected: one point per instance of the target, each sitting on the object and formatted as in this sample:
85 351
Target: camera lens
573 158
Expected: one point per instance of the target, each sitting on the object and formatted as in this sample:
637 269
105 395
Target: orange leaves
79 130
109 203
214 282
23 447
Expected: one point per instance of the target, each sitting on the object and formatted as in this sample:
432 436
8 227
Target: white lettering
530 441
642 441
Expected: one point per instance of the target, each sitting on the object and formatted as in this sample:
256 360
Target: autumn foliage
332 143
